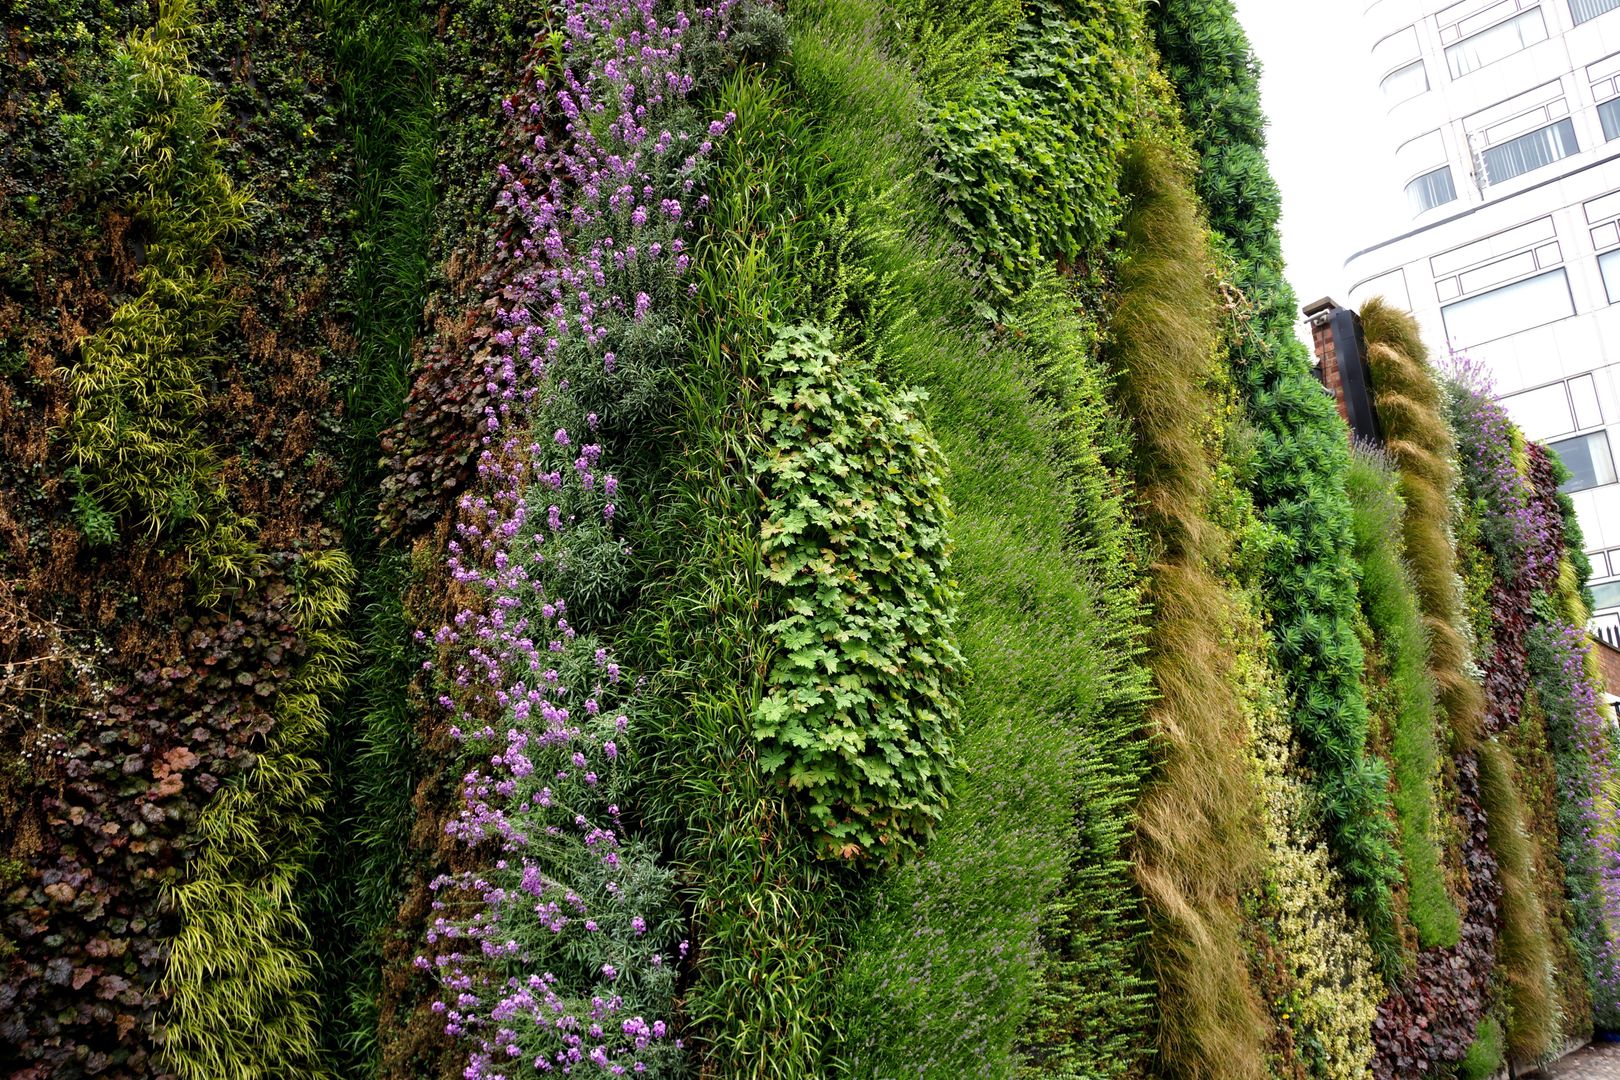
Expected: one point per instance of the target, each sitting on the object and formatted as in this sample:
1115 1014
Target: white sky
1326 141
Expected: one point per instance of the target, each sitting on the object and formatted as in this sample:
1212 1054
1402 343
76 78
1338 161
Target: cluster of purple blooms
1589 828
557 955
1485 449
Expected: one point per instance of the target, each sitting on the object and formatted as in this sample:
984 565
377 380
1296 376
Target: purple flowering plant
557 952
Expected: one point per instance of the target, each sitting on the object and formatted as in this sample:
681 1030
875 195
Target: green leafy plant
862 704
1028 160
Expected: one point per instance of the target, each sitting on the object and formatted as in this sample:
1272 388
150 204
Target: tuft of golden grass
1411 411
1198 839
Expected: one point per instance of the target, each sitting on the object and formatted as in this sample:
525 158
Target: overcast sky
1327 146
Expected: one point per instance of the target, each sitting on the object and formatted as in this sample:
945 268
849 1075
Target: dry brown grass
1419 441
1198 841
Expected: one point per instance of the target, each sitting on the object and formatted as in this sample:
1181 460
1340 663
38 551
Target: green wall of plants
759 540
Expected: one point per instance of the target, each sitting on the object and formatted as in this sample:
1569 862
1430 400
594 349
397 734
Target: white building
1504 119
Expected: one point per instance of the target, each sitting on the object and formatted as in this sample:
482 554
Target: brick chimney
1341 353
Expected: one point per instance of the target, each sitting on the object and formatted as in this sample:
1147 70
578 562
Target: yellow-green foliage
1327 952
1524 947
1412 413
1197 834
242 1001
133 436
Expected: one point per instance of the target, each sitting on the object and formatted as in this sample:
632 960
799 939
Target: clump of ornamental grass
1412 410
241 976
1197 837
133 439
1389 600
1523 945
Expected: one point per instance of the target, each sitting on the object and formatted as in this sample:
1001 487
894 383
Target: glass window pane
1582 10
1609 263
1431 190
1500 41
1405 82
1609 113
1606 595
1532 302
1532 151
1588 460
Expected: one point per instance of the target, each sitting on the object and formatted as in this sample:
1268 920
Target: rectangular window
1581 10
1525 304
1497 43
1609 263
1588 460
1431 190
1530 152
1406 82
1606 594
1609 113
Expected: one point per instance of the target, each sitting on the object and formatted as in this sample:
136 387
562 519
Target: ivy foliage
137 387
1029 159
1301 457
862 703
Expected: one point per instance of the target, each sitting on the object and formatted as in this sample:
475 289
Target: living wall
748 540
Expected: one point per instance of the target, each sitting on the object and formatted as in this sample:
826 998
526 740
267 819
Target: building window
1609 263
1609 113
1606 595
1430 190
1530 152
1588 460
1582 10
1525 304
1497 43
1406 82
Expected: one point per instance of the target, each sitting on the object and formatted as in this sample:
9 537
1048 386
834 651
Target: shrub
1028 159
1336 988
861 707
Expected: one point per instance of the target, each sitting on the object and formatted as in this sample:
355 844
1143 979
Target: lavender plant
557 951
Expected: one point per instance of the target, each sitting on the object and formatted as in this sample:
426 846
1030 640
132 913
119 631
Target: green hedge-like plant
133 435
1391 607
862 703
243 1003
1029 159
1301 457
